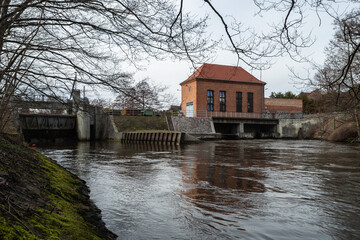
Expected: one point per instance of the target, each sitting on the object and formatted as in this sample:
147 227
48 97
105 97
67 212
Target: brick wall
231 88
188 94
289 105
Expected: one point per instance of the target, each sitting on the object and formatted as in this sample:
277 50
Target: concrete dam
46 121
52 121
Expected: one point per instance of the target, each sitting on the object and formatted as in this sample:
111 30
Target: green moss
61 180
64 220
54 194
11 230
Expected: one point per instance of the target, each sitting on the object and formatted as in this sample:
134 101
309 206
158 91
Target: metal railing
204 113
265 115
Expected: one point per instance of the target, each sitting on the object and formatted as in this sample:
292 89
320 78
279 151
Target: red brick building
218 90
274 105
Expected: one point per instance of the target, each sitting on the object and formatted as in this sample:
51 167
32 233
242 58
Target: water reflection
222 190
222 167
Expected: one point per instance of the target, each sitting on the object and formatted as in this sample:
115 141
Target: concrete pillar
240 128
99 121
83 125
76 100
212 126
278 130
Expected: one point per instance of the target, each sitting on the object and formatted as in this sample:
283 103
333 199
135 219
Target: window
250 102
239 101
222 101
210 100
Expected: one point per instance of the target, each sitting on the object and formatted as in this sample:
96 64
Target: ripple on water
260 189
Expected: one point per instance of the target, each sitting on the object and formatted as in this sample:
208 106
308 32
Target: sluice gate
159 137
43 127
246 128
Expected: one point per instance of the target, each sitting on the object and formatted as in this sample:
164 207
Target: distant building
218 90
174 108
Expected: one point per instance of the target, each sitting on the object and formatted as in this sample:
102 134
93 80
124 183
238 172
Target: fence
265 115
158 113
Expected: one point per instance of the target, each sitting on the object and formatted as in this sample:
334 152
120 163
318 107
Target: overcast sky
172 73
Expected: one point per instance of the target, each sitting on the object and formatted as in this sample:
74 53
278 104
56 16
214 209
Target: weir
158 137
78 120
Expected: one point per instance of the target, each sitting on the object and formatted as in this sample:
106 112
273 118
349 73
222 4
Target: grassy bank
139 123
41 200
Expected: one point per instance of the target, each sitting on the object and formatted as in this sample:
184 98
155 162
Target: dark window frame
250 102
238 101
210 100
222 95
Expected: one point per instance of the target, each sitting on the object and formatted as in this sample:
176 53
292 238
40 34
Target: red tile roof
223 73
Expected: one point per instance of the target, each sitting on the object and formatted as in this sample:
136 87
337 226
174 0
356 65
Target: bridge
206 124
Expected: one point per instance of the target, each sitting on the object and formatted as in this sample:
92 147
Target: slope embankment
137 123
337 128
41 200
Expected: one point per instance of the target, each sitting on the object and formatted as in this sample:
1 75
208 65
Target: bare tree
340 74
144 95
44 43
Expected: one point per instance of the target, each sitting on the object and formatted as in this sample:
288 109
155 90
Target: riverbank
41 200
337 128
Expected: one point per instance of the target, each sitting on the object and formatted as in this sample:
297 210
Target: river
235 189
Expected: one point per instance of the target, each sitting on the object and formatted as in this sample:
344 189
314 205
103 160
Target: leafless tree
43 44
144 95
340 74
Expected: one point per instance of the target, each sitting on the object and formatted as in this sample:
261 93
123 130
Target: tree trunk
356 116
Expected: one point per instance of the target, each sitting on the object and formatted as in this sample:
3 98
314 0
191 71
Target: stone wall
200 125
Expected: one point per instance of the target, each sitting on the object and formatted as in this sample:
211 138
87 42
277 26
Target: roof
223 73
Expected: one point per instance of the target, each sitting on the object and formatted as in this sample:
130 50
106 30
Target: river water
254 189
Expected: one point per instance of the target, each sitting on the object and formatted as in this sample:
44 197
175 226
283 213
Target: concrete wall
83 119
99 120
294 128
92 117
109 128
193 125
